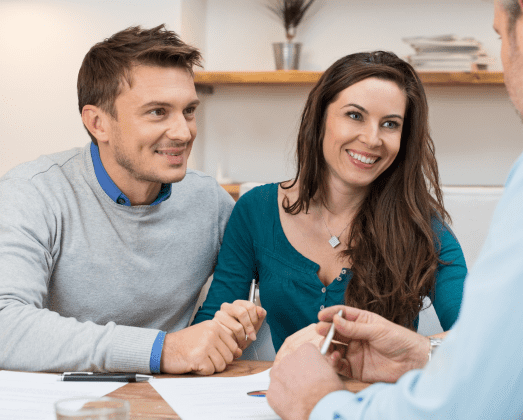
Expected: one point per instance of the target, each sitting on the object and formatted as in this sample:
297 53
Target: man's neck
139 192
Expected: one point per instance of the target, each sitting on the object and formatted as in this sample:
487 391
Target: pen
330 334
252 291
104 377
252 297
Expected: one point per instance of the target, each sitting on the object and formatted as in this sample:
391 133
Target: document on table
217 398
31 396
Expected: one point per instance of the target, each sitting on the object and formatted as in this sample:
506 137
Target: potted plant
290 13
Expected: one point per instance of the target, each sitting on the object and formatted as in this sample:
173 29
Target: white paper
31 396
217 398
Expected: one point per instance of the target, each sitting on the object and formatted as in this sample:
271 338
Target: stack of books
447 53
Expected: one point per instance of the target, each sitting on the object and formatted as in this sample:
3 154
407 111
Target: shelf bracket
204 89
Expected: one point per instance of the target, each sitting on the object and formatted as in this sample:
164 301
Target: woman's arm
450 277
227 299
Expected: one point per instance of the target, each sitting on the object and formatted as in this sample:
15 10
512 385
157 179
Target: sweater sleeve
33 337
236 263
450 277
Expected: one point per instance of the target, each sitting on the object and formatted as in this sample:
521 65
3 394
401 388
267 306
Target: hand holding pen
242 317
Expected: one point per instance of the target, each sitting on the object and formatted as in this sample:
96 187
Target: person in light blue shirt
477 372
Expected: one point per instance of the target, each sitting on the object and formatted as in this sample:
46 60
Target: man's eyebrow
168 104
366 112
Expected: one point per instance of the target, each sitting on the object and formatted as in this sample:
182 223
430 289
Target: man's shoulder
200 187
194 177
43 165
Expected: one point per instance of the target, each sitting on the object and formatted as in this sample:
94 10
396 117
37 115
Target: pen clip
77 373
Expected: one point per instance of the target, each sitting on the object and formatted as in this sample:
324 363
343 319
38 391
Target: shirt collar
110 187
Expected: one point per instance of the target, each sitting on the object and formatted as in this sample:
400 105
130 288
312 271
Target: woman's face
363 132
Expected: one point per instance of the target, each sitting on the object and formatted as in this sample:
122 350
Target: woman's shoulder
258 195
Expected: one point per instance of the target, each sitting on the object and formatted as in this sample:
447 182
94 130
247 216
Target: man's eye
158 112
189 111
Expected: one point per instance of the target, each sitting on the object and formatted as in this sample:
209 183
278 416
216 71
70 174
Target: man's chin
176 177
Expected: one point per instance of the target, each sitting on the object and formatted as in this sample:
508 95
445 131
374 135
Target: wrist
434 344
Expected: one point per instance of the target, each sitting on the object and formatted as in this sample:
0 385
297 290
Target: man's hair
109 63
391 246
513 10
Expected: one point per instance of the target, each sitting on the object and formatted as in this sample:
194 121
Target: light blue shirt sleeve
156 352
478 371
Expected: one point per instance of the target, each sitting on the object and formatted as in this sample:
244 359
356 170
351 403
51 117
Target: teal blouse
290 289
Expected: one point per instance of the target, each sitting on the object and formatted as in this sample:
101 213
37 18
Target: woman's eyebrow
366 112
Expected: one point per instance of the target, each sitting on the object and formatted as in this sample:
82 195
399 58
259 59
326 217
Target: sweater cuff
131 350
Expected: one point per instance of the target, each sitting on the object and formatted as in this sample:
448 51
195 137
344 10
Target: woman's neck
340 201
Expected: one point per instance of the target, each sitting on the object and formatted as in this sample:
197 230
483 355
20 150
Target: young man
104 249
477 373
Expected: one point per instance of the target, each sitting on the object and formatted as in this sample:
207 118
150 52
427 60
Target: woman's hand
292 342
242 319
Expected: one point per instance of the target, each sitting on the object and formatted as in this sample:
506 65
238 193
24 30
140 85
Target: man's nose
179 129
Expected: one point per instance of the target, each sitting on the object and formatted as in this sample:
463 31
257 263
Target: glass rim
65 411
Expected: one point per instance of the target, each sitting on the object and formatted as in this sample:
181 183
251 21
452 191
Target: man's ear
96 121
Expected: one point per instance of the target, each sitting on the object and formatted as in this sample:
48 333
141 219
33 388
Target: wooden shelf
296 77
233 190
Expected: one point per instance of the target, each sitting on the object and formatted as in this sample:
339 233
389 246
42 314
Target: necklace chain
334 241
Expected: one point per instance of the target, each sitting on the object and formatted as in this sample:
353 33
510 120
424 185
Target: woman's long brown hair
391 245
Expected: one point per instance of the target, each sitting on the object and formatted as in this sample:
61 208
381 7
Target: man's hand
299 381
243 319
292 342
202 348
374 349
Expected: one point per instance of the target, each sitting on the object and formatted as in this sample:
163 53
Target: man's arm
35 338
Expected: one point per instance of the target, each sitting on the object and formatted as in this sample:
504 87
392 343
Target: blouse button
343 271
323 290
338 278
322 307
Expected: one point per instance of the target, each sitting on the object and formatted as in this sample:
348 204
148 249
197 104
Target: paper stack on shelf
447 53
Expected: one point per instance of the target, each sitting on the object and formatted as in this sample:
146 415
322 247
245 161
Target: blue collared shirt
119 197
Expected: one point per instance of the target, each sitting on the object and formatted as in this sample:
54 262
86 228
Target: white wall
42 45
248 130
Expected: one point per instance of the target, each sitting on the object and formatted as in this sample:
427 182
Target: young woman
362 223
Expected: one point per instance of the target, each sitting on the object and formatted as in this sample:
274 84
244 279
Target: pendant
334 241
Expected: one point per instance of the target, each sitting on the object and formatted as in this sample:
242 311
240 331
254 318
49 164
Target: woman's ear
96 121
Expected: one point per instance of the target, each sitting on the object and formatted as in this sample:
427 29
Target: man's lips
173 156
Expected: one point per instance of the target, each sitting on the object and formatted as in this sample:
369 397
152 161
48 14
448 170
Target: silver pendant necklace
334 241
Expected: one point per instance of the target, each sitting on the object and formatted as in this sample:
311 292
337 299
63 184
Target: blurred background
248 131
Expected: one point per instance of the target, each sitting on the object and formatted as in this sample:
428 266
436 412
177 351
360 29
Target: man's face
511 54
152 136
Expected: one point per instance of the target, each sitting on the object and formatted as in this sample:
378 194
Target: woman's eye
354 115
391 124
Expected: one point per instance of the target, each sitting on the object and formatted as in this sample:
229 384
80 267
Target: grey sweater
85 283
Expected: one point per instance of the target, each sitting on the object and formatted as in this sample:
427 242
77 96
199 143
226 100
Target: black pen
104 377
